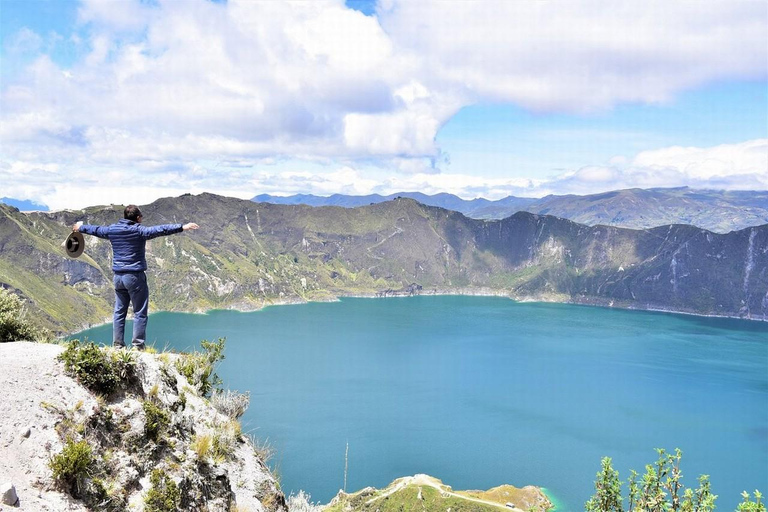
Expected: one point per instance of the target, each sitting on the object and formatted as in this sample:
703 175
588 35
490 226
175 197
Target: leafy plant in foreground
660 489
73 466
747 505
13 323
199 367
608 487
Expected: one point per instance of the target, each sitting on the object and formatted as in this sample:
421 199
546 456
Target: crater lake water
482 391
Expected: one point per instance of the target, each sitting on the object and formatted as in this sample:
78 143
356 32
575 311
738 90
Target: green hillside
423 492
246 255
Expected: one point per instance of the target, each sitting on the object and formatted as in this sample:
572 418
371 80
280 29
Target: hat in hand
74 245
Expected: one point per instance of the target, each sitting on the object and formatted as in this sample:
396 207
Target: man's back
128 240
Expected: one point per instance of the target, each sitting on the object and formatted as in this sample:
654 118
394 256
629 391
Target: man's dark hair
132 212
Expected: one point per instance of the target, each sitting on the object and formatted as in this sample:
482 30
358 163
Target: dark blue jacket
128 240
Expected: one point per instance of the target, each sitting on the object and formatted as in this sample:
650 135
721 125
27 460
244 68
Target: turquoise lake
482 391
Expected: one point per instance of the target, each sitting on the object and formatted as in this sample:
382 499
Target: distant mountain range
248 254
718 211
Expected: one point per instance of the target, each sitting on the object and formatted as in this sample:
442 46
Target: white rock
8 491
25 432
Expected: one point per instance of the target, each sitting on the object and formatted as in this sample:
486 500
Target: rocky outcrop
8 494
156 435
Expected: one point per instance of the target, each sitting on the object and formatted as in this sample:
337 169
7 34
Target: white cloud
119 16
742 166
722 161
579 56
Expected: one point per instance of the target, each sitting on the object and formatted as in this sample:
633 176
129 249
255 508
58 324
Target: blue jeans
131 288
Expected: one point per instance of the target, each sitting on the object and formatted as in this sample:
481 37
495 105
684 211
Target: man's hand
191 225
76 225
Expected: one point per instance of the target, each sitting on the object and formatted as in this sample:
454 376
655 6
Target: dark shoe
118 345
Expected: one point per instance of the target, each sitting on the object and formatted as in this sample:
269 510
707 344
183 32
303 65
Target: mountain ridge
718 211
247 255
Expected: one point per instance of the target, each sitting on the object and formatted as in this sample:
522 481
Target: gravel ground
31 381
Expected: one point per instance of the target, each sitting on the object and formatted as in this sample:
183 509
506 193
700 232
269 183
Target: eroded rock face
195 449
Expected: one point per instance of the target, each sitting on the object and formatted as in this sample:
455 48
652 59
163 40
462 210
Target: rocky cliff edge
155 443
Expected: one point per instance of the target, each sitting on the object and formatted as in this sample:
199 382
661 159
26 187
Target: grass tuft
231 403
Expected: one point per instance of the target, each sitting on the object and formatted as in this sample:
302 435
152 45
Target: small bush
164 495
13 323
659 489
231 403
155 420
199 367
73 466
99 370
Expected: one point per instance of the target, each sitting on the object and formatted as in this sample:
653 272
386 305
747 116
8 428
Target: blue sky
130 100
508 139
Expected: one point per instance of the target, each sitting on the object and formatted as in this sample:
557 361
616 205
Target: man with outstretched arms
128 238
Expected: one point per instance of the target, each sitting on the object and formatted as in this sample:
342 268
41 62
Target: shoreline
435 292
557 504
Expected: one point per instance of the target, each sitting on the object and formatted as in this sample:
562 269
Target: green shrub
747 505
164 495
73 466
13 323
199 367
659 489
155 420
98 369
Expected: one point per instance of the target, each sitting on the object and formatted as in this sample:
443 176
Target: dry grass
231 403
262 448
202 445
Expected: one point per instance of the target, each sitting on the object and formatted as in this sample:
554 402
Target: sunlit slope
423 492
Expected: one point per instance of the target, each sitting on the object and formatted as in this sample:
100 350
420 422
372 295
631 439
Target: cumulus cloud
727 166
579 56
722 161
167 87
